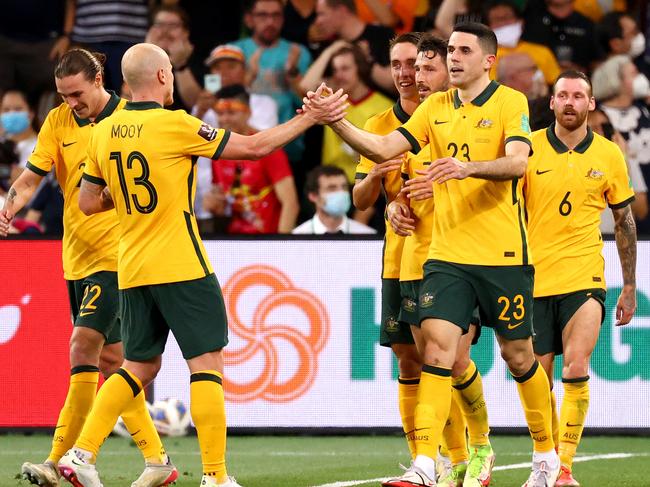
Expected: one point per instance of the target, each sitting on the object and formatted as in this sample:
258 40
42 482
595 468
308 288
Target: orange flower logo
261 337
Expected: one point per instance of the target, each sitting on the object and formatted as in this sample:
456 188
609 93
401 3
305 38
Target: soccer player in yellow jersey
468 408
572 176
371 179
479 250
89 266
145 155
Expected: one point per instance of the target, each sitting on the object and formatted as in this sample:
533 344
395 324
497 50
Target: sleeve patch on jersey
525 123
207 132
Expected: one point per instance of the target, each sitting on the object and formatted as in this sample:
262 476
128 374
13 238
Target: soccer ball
171 417
120 428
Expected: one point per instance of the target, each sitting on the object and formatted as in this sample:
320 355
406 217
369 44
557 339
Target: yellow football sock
208 409
572 417
114 396
79 401
555 421
407 391
454 435
470 388
432 410
535 397
139 423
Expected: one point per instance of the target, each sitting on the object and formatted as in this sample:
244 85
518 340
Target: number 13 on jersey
146 204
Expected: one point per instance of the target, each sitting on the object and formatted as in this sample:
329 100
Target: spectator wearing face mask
615 83
328 189
619 33
506 20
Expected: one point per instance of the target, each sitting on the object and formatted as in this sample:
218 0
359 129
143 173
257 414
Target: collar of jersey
559 146
400 113
141 105
480 100
110 107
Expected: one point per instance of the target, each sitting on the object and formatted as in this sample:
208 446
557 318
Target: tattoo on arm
625 234
11 196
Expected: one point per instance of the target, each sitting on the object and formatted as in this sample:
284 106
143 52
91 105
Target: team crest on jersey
392 325
595 174
484 123
426 300
525 123
207 132
409 305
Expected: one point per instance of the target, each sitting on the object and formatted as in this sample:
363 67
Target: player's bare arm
17 197
94 198
625 235
512 165
400 217
366 190
331 108
375 147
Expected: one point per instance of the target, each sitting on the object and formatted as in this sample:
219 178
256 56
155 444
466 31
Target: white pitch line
514 466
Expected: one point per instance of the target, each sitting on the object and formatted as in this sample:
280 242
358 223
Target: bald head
514 63
141 65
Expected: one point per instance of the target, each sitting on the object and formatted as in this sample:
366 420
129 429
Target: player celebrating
371 179
415 219
145 154
571 177
89 265
479 250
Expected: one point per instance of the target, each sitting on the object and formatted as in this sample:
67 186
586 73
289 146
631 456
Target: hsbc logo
10 318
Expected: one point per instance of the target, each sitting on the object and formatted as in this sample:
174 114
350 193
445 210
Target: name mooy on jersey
122 131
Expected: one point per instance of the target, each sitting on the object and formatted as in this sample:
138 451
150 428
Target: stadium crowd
245 65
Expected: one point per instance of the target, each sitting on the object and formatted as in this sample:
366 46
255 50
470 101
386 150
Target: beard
572 120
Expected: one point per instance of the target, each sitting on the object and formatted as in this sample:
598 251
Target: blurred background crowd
245 65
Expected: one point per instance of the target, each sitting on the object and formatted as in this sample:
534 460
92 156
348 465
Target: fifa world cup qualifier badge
207 132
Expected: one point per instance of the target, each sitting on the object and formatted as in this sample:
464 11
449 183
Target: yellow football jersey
566 191
146 155
476 221
89 242
382 124
416 245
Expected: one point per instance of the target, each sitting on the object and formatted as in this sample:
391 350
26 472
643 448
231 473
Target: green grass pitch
317 461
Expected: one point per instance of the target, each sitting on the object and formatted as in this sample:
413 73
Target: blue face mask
14 122
337 203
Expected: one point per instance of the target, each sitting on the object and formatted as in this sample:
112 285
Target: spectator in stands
170 30
299 16
33 35
337 19
519 71
452 12
257 196
350 71
18 121
228 62
600 124
506 20
110 27
328 189
595 9
398 16
276 64
569 34
613 83
619 33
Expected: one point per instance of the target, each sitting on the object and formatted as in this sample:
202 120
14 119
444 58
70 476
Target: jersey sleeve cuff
415 145
222 145
520 139
35 169
93 179
405 177
360 175
622 204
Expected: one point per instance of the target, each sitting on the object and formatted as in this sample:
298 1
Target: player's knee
460 365
110 361
575 367
519 362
